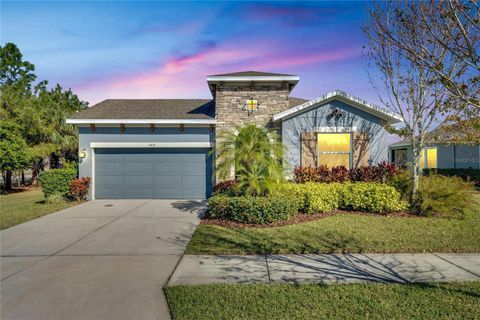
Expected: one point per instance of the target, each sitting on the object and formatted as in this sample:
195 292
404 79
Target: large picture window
334 149
428 158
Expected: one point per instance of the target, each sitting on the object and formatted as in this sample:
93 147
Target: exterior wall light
82 153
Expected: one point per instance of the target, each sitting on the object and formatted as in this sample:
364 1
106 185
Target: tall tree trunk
8 180
46 162
23 177
35 171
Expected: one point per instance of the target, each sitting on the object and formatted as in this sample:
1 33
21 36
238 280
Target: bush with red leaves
79 188
382 172
227 187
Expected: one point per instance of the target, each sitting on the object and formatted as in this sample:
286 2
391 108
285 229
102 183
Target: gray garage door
152 174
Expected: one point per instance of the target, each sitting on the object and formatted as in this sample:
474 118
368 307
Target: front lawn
306 301
346 233
20 207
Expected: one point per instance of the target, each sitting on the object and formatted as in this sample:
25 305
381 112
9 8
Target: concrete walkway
326 268
104 259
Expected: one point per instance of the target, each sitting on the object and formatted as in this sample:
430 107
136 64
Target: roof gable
361 104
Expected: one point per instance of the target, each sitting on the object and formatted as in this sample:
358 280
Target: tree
13 69
13 151
445 40
410 89
40 112
454 26
254 155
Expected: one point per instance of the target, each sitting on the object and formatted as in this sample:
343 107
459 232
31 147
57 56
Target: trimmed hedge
467 174
314 197
57 181
371 197
361 196
254 210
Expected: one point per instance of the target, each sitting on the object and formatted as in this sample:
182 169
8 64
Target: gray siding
136 134
452 156
318 117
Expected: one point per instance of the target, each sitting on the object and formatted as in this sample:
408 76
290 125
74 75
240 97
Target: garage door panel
109 166
194 169
109 180
139 193
109 192
139 180
152 173
168 181
139 167
166 168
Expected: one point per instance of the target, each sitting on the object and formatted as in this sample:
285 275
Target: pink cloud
184 77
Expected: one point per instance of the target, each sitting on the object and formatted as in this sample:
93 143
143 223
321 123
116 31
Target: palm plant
253 156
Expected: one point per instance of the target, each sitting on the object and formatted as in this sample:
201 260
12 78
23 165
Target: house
442 155
162 148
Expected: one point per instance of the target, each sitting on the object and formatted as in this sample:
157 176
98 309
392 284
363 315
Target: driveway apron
104 259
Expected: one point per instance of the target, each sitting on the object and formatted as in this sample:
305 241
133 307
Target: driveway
104 259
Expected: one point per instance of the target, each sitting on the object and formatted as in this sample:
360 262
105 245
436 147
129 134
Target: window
431 157
334 149
428 158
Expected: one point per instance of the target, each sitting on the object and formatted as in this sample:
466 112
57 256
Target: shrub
371 197
339 174
446 196
254 210
323 197
227 187
55 198
467 174
382 172
57 181
79 188
314 197
402 182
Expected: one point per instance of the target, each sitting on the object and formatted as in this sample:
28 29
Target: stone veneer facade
230 99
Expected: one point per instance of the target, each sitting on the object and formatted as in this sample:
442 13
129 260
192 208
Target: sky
120 49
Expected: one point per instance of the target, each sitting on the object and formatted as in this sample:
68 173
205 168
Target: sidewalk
327 268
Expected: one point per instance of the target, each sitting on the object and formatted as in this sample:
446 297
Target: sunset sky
166 49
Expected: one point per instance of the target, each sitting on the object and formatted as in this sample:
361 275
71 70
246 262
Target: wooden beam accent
152 127
122 128
92 127
182 127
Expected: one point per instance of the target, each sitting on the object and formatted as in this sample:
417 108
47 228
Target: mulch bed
302 218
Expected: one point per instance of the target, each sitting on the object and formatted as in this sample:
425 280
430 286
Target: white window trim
151 145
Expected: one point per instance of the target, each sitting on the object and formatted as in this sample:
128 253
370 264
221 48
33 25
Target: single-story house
163 148
437 155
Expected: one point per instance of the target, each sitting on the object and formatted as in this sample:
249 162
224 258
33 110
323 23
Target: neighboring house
161 148
441 155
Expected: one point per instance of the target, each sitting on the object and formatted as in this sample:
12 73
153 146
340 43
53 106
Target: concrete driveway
104 259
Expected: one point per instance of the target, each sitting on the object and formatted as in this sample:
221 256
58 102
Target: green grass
20 207
346 233
351 301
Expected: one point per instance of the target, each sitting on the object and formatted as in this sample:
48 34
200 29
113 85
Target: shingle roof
251 74
293 102
150 109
